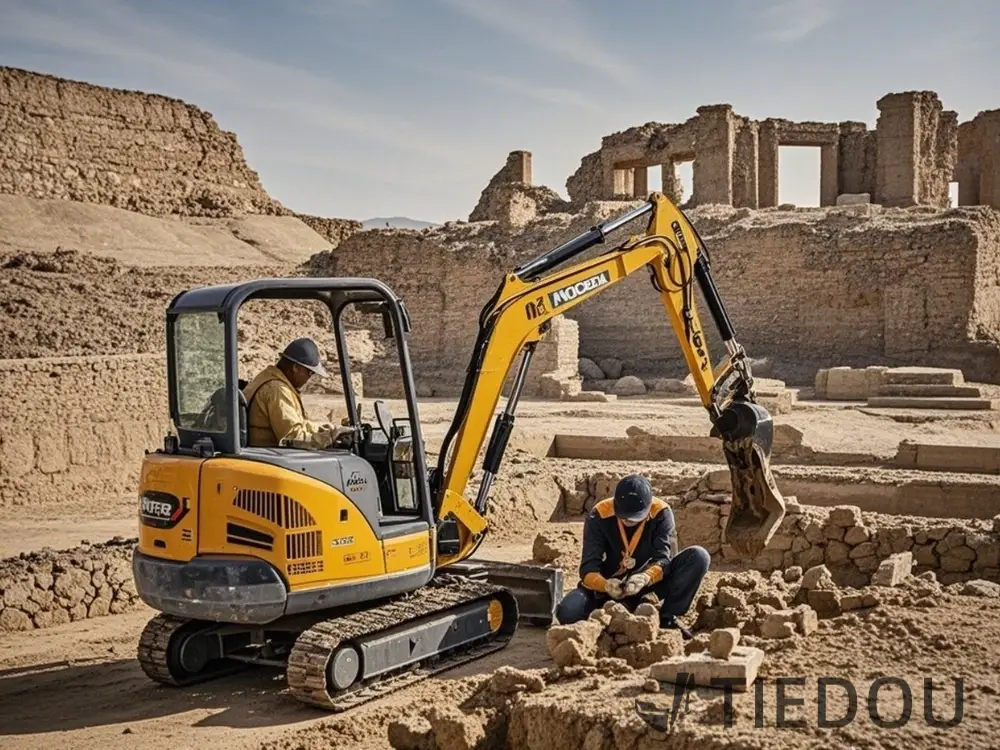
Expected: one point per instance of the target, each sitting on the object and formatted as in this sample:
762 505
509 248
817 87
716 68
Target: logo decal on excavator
162 510
356 482
569 293
342 541
534 309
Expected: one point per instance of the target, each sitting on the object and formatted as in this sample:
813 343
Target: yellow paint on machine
407 552
318 536
175 476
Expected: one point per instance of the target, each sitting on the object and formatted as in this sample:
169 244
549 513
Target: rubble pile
612 632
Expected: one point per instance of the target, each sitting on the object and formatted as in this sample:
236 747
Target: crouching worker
629 544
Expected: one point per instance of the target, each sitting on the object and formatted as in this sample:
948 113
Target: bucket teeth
757 507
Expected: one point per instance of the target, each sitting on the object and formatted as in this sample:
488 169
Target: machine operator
628 555
274 406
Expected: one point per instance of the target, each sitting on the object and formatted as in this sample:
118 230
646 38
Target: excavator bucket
747 433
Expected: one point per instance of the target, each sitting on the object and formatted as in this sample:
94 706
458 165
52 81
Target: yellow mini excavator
350 567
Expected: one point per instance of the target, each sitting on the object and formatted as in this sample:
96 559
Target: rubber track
153 649
306 672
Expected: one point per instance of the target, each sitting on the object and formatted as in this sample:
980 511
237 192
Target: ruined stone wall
813 289
511 199
445 276
907 160
335 230
78 426
142 152
978 169
806 289
47 588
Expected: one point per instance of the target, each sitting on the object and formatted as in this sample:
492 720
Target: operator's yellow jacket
275 413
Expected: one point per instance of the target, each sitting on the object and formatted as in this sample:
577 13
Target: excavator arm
519 315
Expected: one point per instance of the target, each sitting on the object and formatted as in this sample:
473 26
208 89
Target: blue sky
357 108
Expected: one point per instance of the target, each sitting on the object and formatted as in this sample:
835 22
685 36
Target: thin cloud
113 30
552 26
793 20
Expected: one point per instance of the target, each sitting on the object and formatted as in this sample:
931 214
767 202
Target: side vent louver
236 534
303 544
280 510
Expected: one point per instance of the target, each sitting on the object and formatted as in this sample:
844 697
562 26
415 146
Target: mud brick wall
78 425
47 588
142 152
850 543
978 167
806 289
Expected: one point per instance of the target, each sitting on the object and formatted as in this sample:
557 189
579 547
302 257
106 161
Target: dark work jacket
603 550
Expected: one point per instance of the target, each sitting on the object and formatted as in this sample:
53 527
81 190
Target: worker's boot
669 622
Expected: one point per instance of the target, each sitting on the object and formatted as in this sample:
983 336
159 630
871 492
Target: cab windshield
199 350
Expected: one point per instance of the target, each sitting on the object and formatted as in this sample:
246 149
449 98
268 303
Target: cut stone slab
740 668
923 376
919 402
933 391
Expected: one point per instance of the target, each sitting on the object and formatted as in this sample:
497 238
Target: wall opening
799 175
953 195
654 180
685 173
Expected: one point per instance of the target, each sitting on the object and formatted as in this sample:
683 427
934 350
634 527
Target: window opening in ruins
799 175
953 195
684 172
654 180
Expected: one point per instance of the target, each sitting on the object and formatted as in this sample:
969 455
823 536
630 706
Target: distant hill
395 222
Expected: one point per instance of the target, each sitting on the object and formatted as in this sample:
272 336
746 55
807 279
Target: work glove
613 587
636 583
336 434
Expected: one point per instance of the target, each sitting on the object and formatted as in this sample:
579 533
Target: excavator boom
519 315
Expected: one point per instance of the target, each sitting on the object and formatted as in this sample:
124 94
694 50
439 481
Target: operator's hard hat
305 352
633 498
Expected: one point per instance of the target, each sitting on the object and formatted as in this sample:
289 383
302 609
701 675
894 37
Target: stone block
893 570
740 669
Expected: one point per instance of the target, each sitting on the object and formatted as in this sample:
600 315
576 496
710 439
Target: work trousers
682 577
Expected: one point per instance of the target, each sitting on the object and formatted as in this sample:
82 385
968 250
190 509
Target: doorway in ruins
953 195
799 175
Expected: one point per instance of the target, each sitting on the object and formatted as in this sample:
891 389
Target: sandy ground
79 686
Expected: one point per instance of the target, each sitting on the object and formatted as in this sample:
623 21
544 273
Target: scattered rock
979 587
629 385
723 641
507 680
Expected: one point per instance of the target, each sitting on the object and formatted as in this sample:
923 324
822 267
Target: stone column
746 166
640 182
856 174
829 174
898 136
713 160
767 169
671 184
519 166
